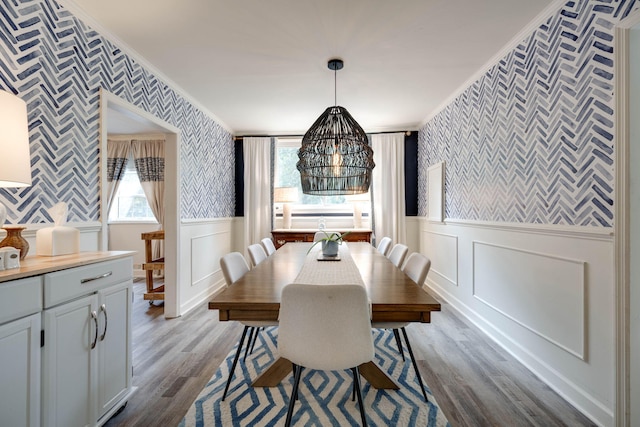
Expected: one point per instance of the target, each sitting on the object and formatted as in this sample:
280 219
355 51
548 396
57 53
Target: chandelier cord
335 87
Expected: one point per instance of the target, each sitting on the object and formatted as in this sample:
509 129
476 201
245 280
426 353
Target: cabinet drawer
20 298
65 285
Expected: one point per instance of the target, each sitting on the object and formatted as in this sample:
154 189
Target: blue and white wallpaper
532 141
57 64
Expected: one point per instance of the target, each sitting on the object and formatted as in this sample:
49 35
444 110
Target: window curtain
117 155
257 188
388 187
149 161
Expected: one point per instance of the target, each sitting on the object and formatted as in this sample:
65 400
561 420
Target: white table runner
343 272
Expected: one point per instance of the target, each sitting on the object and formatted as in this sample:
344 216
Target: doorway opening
120 117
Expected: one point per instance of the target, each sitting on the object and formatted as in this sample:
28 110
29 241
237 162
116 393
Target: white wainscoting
546 294
202 244
442 249
89 235
504 276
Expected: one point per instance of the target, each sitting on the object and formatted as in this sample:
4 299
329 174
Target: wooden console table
282 236
150 265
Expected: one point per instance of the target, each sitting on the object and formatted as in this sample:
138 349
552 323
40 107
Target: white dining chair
256 253
384 245
397 254
417 267
268 246
325 328
234 266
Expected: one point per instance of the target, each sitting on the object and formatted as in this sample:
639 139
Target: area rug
324 397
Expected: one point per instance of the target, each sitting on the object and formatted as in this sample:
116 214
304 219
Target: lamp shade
15 160
335 157
285 194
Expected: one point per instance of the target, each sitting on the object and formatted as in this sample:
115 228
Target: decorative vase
330 247
14 239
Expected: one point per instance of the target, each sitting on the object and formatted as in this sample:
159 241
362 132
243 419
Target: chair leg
415 365
398 342
255 338
296 380
246 350
295 367
353 392
235 362
356 383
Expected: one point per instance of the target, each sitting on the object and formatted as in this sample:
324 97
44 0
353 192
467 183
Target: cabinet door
69 363
20 372
114 345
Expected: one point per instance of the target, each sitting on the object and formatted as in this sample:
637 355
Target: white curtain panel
388 187
149 162
117 155
257 189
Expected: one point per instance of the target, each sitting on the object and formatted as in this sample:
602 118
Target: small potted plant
330 243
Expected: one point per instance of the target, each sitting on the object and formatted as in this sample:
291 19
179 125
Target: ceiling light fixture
335 157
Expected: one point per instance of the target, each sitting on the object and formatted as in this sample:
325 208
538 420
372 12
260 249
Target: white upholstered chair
384 245
397 254
325 327
234 266
417 267
257 254
268 246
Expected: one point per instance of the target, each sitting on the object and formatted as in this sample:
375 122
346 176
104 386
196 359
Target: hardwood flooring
474 381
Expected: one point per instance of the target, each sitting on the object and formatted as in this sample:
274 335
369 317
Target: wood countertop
36 265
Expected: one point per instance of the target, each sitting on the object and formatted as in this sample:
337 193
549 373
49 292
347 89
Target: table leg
376 377
282 367
274 374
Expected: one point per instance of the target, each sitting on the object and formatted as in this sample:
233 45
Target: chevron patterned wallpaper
532 141
57 64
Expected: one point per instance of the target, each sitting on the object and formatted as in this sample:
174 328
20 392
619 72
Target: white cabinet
86 365
65 339
69 364
114 347
20 372
20 306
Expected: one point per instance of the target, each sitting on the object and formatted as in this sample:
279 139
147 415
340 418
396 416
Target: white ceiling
260 67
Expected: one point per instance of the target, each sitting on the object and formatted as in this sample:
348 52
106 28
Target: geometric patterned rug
324 397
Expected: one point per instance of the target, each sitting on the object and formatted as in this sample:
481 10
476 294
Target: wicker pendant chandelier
335 157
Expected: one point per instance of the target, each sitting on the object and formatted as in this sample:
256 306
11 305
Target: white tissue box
58 240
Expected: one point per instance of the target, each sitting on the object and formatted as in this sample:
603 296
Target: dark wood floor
474 381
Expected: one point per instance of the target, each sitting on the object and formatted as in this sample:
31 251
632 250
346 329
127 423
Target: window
130 203
286 175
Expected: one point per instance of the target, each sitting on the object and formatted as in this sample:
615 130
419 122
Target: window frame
306 209
130 169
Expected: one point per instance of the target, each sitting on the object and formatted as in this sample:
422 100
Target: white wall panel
442 249
203 243
205 260
543 293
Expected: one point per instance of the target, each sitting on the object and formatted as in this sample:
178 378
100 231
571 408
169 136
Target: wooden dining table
393 295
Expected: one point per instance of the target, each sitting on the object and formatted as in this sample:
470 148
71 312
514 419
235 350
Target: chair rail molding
589 233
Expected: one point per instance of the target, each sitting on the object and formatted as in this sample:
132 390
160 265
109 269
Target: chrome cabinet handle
91 279
103 309
94 316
